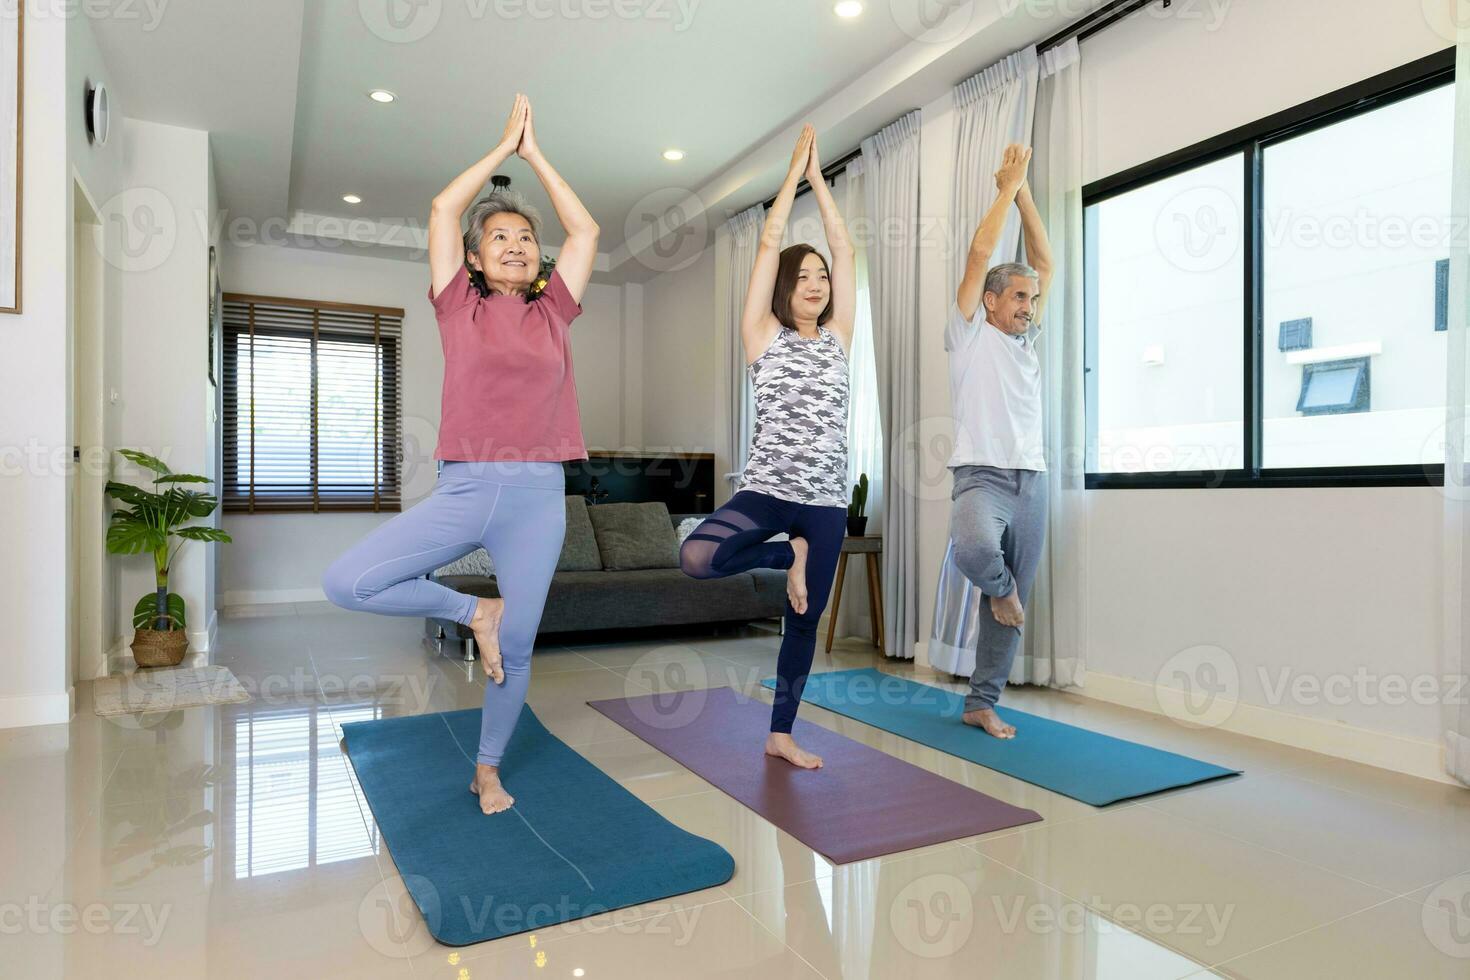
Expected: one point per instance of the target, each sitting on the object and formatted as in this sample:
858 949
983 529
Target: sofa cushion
477 562
633 536
579 547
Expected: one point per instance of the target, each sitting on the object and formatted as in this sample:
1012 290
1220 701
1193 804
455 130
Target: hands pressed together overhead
1011 176
520 131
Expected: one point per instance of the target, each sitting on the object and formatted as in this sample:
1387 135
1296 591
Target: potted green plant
857 521
160 638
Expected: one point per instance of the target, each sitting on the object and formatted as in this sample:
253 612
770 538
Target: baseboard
266 597
37 709
1411 756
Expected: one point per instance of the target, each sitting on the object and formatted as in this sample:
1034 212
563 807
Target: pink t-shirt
509 392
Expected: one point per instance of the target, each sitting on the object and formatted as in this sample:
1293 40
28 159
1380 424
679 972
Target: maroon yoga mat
861 804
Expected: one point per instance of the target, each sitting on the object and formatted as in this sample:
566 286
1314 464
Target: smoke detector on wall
97 113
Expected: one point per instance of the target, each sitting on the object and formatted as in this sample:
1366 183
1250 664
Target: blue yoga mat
1075 762
574 844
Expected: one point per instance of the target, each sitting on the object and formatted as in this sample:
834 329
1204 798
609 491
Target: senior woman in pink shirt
509 420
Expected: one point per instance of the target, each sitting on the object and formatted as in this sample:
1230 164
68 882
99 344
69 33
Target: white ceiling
282 86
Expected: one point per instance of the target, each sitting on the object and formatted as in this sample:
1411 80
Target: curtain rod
1100 19
829 173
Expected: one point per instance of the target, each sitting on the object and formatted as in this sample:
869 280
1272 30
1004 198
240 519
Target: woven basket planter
160 648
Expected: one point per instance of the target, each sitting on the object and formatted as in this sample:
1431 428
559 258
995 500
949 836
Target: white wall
683 392
33 403
98 172
165 403
1316 581
281 557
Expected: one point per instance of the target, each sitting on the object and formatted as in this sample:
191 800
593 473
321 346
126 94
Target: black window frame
1250 141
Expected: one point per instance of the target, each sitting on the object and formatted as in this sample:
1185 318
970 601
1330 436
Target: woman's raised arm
579 251
844 258
758 325
446 238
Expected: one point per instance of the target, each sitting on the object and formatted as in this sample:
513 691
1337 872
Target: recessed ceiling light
847 8
351 198
673 155
381 95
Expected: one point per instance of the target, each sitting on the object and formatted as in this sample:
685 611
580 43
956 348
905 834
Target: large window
311 405
1265 308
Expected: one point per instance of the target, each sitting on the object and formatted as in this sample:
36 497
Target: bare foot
1007 610
782 746
486 785
486 626
987 719
796 576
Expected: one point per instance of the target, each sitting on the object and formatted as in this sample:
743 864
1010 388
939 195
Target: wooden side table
870 546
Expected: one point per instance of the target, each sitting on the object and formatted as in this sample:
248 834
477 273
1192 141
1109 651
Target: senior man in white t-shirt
998 521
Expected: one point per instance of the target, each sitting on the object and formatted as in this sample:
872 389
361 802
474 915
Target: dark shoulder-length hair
786 274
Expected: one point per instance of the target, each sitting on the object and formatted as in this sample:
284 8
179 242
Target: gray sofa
618 570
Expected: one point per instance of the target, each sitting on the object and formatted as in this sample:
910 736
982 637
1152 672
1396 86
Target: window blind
311 405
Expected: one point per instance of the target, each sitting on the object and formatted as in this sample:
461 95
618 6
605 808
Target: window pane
278 377
348 412
1165 324
1355 219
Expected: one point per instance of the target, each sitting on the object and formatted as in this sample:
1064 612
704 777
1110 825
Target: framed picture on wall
216 311
10 157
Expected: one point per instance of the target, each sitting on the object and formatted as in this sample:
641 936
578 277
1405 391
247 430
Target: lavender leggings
516 512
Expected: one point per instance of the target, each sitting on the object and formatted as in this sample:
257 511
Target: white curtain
1053 651
735 246
1053 647
1457 453
891 194
992 110
864 426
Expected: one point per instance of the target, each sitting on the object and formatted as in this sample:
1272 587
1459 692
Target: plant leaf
184 478
130 494
145 613
144 460
200 532
127 535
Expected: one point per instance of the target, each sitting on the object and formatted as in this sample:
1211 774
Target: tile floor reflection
234 841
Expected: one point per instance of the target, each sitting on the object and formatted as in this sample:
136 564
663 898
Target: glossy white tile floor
232 841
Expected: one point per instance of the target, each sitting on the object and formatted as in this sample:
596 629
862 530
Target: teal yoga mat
575 843
1087 766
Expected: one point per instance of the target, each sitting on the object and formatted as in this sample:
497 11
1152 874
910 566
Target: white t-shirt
995 385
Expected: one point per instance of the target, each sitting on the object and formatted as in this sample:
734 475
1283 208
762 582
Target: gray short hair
998 278
498 202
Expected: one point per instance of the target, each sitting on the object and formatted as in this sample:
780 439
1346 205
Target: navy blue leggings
733 539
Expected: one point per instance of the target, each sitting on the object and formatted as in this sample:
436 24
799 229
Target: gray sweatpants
998 524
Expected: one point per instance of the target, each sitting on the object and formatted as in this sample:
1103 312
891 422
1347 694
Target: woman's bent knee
337 583
695 559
